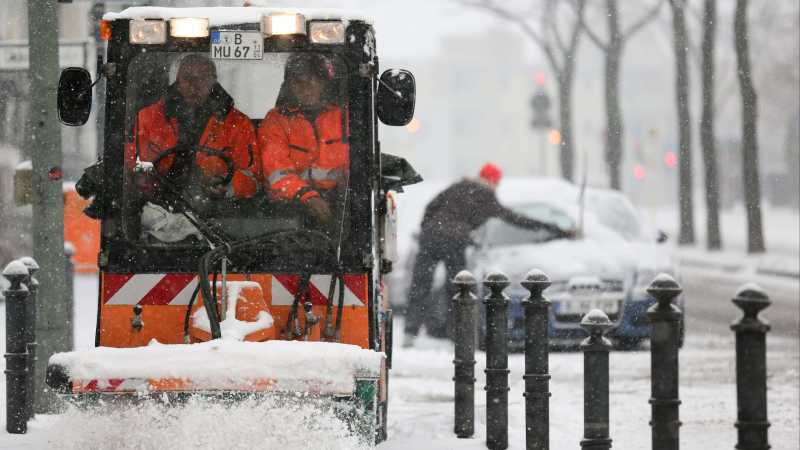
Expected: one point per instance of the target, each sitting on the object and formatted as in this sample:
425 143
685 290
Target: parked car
608 268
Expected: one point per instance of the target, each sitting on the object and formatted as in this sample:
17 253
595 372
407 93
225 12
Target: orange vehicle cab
212 285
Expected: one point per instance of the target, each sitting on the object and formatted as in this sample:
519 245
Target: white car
608 268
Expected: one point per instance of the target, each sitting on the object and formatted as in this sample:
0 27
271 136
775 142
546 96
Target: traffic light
670 159
639 172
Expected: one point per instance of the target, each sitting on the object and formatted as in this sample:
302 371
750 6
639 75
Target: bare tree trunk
752 187
707 138
567 155
686 234
614 131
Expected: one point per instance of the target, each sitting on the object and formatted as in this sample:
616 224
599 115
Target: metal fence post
537 378
595 381
665 318
496 361
16 357
751 369
30 331
69 297
464 362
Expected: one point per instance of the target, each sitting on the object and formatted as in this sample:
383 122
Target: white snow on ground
421 406
421 411
781 235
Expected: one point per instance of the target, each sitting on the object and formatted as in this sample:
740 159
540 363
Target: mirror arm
396 93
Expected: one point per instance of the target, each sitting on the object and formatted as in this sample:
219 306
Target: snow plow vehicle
245 207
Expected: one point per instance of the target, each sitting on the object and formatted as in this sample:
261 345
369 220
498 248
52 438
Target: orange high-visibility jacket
303 158
228 130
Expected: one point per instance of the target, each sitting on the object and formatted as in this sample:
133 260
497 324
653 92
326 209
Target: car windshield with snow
609 269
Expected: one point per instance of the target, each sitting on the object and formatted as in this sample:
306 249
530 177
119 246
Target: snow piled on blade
299 422
223 364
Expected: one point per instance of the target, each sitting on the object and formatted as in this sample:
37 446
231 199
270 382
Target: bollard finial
751 299
496 281
536 281
16 272
464 280
596 323
31 264
664 289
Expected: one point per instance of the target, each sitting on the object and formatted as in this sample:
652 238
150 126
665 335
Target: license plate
237 45
608 306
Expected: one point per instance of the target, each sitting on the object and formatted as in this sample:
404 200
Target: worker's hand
571 233
319 209
214 187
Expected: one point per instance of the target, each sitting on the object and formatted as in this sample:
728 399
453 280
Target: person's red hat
491 173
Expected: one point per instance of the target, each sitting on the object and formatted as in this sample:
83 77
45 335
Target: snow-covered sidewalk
421 404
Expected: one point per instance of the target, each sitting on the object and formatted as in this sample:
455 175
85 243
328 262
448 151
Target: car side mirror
662 237
397 92
74 96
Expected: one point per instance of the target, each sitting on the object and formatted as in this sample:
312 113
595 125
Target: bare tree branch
594 37
643 21
527 29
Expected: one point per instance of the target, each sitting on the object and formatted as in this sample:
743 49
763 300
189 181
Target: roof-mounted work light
188 27
147 32
283 24
326 31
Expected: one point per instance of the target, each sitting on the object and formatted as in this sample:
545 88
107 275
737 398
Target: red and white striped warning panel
176 289
114 385
285 286
148 289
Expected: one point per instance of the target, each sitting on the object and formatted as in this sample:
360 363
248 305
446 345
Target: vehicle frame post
496 361
16 353
595 350
464 325
537 378
665 318
30 331
751 369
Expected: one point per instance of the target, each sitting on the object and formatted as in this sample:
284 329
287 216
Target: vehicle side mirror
397 93
396 172
74 96
662 237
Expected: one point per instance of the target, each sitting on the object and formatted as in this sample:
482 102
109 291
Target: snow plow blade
228 370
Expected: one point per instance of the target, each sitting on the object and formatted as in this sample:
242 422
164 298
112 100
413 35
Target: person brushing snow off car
445 234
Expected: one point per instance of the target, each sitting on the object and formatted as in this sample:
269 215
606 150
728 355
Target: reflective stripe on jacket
232 135
300 157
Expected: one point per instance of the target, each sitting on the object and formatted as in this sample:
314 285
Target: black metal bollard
595 381
16 355
751 369
665 318
30 331
537 378
496 361
464 362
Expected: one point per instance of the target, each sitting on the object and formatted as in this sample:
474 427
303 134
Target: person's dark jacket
466 205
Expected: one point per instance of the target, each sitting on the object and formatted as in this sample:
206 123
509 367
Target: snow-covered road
421 406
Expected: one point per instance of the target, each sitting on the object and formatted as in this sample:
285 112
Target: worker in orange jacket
194 135
303 140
